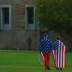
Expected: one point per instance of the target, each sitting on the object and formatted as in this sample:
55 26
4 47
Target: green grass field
27 61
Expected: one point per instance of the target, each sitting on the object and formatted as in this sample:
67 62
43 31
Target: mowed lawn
27 61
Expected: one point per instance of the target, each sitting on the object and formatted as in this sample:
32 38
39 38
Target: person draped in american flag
45 49
59 53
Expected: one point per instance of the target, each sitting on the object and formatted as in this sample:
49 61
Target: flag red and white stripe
60 55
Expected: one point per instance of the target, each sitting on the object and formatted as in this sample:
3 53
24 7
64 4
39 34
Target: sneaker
57 68
60 68
48 68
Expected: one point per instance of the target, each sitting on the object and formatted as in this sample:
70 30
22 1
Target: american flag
45 44
59 54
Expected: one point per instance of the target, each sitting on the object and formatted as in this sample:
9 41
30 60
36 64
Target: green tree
55 14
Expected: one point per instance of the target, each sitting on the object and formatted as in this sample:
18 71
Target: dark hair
43 31
58 36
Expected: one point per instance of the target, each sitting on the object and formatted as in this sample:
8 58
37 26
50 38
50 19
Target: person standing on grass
59 53
45 49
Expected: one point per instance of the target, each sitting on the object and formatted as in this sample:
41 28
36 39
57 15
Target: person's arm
41 58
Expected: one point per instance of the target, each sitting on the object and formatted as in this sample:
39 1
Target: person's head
44 31
58 36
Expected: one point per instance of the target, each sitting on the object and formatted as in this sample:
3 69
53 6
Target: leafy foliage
55 14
